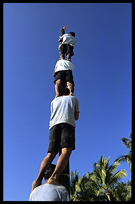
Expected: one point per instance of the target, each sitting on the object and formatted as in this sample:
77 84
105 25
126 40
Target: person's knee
58 82
70 84
67 151
51 155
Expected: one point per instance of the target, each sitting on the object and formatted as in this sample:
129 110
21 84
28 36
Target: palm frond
127 142
118 176
112 168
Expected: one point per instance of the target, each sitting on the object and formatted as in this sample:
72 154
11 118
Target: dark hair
64 91
72 33
48 171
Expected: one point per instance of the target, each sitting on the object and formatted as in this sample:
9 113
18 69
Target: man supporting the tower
64 112
50 192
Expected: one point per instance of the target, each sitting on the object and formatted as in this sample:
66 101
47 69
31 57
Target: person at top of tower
67 46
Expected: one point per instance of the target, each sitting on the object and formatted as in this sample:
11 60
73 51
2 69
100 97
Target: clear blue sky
102 74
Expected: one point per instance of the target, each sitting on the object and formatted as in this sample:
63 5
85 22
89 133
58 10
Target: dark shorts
61 136
64 76
66 49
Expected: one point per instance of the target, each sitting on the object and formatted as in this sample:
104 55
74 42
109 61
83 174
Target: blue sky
102 74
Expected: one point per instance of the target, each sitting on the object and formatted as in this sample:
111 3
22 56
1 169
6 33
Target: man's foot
71 94
53 181
57 96
35 184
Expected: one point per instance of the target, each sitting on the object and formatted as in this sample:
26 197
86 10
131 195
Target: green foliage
121 192
103 183
128 156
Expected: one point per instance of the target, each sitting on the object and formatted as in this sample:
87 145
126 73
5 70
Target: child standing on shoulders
67 46
63 76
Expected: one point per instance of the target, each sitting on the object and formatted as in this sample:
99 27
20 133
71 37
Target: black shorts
66 49
61 136
64 76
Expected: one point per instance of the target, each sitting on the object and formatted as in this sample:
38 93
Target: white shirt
63 109
49 192
63 65
68 39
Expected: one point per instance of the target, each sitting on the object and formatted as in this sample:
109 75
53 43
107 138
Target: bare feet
71 94
56 96
35 184
53 181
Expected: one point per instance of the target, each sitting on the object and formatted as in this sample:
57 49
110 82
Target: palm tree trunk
107 192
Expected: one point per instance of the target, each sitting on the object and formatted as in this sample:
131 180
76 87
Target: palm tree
83 189
80 193
128 156
101 184
122 191
73 182
94 191
104 175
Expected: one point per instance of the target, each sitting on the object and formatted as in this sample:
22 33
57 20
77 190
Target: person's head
48 171
64 91
72 33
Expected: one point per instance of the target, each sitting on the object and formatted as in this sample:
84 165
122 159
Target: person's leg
69 52
62 51
57 87
70 86
60 166
45 162
62 56
69 57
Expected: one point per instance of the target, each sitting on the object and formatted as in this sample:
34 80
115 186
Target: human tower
64 112
64 77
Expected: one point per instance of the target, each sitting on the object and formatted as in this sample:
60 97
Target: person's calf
68 57
61 164
45 162
70 86
62 56
57 87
